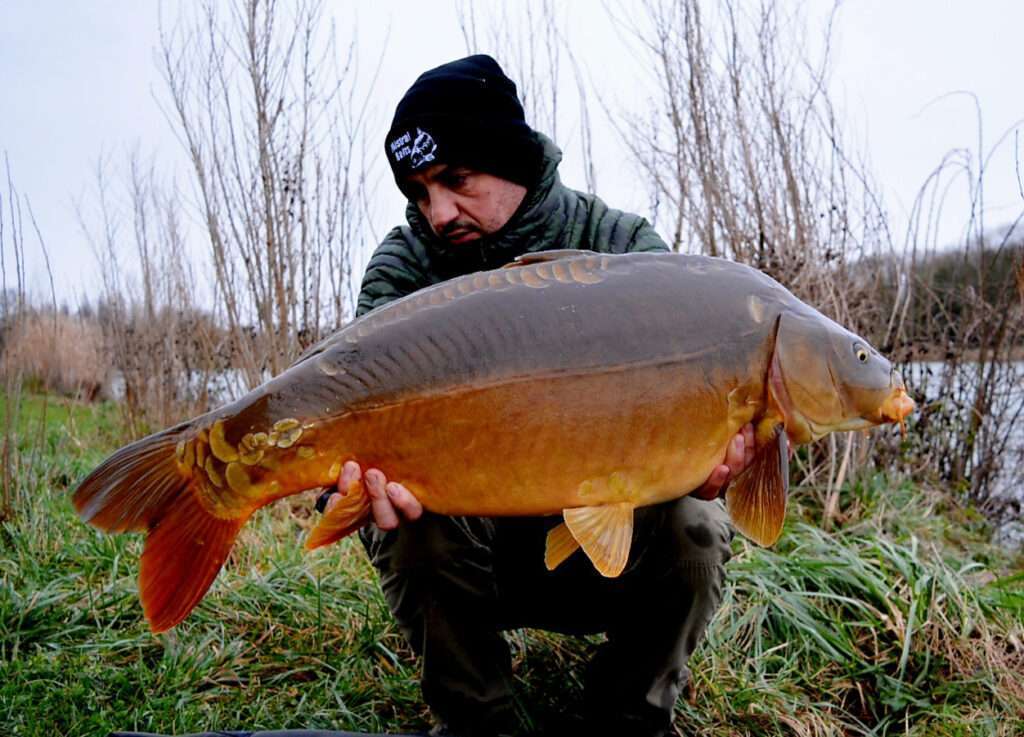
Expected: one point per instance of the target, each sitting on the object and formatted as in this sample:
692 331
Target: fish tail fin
132 488
184 552
347 512
144 487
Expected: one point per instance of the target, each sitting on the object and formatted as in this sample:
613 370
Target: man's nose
443 210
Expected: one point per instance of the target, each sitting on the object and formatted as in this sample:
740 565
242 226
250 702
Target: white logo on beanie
400 146
423 149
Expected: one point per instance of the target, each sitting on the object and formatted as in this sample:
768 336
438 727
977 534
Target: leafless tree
16 315
530 40
964 330
743 158
161 351
272 122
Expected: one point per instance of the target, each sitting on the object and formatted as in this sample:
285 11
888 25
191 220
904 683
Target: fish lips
897 407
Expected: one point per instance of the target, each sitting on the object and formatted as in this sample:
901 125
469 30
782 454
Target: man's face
462 205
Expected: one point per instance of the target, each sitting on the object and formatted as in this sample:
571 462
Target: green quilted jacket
552 216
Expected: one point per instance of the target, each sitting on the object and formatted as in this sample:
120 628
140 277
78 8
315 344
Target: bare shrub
16 320
162 349
272 124
58 353
742 154
530 42
962 334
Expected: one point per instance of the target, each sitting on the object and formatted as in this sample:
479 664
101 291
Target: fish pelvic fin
143 486
756 500
346 515
560 545
605 533
183 554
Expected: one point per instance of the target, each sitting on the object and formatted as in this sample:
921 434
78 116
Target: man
483 188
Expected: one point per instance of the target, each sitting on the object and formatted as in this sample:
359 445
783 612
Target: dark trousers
453 583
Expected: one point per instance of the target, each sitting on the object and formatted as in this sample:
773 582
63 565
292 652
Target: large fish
572 383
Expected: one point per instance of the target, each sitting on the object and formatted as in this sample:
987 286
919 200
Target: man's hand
737 457
389 501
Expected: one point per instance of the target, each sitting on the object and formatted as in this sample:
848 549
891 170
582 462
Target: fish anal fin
184 552
559 546
346 514
756 500
538 257
605 533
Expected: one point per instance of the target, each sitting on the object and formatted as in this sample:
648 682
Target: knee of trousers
698 533
434 543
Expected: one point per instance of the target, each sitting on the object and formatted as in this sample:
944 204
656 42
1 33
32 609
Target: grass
904 621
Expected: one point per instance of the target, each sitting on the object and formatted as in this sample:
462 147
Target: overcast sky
78 81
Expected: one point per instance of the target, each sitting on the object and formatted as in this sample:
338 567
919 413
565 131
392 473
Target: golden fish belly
539 445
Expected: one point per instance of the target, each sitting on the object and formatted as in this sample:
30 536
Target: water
221 387
1005 421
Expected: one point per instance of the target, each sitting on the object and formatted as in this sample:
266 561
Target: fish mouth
897 407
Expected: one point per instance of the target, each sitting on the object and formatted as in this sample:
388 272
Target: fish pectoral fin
756 500
346 514
559 546
542 256
605 533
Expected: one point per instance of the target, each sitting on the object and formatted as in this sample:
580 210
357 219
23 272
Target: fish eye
861 352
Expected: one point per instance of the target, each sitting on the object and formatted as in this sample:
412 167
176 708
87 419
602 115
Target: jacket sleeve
396 269
645 239
614 231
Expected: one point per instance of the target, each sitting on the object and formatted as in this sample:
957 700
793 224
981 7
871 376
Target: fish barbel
572 383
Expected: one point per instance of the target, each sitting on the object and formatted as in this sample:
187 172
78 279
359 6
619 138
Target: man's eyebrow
445 168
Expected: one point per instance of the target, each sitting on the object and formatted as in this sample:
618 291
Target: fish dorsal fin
538 257
605 534
756 500
560 545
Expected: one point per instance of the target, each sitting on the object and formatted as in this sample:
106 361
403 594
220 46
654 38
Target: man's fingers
387 500
332 501
350 475
749 447
380 505
404 501
714 484
736 454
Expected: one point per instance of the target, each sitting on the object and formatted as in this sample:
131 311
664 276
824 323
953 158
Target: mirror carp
569 383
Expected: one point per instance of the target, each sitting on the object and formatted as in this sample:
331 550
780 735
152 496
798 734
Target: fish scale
571 383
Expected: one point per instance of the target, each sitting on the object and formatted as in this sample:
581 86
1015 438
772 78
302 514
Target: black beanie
464 113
